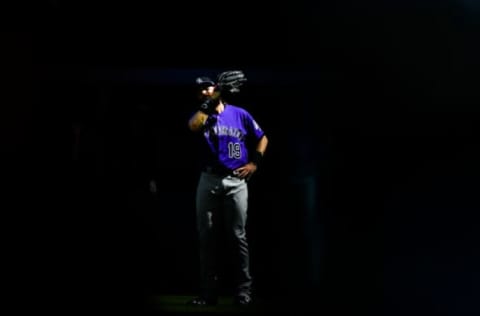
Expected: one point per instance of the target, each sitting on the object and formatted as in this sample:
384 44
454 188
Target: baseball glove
231 81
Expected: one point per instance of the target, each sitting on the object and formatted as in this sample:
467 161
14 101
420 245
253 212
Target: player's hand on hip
246 171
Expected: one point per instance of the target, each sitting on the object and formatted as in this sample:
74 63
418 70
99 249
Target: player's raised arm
210 98
197 121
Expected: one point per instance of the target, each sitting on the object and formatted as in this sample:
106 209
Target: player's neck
220 107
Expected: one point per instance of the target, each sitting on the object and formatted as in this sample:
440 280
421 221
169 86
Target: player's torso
227 138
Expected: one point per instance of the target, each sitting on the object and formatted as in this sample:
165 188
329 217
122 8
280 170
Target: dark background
368 198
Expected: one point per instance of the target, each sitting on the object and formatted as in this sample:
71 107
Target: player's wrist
257 158
208 106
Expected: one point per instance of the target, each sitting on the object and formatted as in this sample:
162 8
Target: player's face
206 92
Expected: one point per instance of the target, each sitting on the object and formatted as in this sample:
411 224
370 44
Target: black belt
219 171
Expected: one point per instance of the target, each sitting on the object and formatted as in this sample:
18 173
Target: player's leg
236 204
207 206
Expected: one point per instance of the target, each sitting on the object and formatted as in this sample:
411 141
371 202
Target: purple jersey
228 136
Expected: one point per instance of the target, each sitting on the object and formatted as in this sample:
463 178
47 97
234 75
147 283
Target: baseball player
234 147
